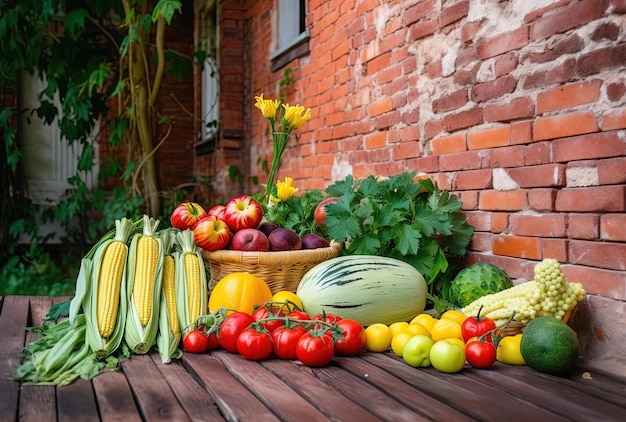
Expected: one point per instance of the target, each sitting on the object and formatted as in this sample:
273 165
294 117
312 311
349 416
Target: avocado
550 346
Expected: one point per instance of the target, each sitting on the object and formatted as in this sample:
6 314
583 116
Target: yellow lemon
398 341
398 327
283 296
377 337
445 328
454 315
427 320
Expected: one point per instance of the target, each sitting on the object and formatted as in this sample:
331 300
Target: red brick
405 151
469 30
521 132
502 43
542 199
462 120
592 199
560 126
553 50
568 96
423 29
613 227
560 73
615 91
554 248
489 138
493 89
469 200
541 225
376 140
418 12
448 144
521 247
450 102
481 242
478 219
454 13
583 226
473 179
601 59
505 64
587 147
598 254
597 281
380 107
506 156
429 164
547 175
494 200
619 6
572 16
499 222
614 119
433 128
378 63
612 171
459 161
510 110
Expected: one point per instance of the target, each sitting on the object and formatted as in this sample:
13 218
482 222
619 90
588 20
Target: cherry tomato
214 341
330 318
286 339
353 340
230 329
300 315
315 350
196 342
476 327
263 312
480 354
255 344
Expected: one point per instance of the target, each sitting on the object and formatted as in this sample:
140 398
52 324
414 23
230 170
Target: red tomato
214 342
230 329
196 342
253 344
315 351
262 312
286 340
186 215
476 327
319 215
299 315
480 354
353 337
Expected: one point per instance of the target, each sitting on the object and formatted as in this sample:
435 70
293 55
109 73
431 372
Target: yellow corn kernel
169 291
109 282
147 258
192 278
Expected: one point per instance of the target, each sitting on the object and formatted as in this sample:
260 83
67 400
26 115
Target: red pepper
476 327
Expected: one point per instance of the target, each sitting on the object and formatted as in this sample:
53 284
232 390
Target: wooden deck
223 386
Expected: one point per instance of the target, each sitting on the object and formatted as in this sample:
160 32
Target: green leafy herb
399 217
297 212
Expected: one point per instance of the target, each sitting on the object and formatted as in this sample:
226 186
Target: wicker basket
280 270
516 327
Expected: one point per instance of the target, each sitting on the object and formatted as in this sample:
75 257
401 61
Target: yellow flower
268 107
295 116
285 190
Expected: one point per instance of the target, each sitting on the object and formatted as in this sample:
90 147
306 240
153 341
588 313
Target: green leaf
368 244
407 238
74 22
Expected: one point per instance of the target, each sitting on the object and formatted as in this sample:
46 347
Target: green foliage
297 213
401 218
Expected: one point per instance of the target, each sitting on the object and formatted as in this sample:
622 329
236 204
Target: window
207 42
292 40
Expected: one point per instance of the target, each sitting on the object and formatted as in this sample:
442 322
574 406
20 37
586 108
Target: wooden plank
279 397
115 398
196 401
365 392
37 402
77 402
13 320
334 405
456 392
417 400
235 401
599 385
154 397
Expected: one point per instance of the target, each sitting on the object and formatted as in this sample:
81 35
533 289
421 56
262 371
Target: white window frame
208 41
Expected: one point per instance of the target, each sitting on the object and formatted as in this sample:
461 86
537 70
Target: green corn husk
168 340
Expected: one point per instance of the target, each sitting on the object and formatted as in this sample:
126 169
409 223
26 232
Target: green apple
416 351
446 356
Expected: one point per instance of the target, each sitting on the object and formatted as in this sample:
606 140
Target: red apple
217 210
186 215
283 239
313 241
320 211
211 233
243 212
250 240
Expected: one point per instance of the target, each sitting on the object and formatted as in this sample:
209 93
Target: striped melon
369 289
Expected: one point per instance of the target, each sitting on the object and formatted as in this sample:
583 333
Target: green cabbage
478 280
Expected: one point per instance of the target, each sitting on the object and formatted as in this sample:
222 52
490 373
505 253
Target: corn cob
145 272
191 275
104 280
168 336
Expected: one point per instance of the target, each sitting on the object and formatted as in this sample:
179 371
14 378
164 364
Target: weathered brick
493 200
615 91
489 138
463 119
614 119
569 17
596 145
583 226
502 43
418 12
380 107
602 59
493 89
473 179
449 144
542 199
568 96
553 50
554 249
454 13
505 64
506 111
592 199
541 225
598 281
612 171
560 126
517 246
613 227
510 156
376 140
547 175
598 254
450 102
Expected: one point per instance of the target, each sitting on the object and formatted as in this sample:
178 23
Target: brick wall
518 107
